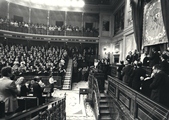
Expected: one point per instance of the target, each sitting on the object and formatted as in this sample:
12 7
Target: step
66 84
103 106
66 80
103 100
105 117
103 95
68 72
67 76
106 111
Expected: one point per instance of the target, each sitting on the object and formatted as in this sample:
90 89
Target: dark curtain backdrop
137 15
165 14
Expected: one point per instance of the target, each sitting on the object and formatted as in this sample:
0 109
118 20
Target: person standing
154 58
136 74
37 90
8 91
160 86
126 73
51 82
129 57
119 69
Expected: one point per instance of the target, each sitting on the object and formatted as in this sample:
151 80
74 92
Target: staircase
104 107
67 81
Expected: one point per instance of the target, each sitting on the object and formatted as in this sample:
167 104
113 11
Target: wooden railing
133 104
94 92
49 111
40 37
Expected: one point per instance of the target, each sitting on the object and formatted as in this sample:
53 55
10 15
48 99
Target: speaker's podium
83 91
25 103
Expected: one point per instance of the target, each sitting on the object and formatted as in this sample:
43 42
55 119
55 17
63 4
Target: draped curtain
165 14
137 15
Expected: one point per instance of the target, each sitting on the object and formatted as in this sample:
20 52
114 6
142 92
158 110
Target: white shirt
51 80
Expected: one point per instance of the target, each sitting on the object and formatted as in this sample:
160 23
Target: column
82 23
8 5
65 22
29 20
48 18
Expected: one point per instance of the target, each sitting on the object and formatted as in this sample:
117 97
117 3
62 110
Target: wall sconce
105 50
117 50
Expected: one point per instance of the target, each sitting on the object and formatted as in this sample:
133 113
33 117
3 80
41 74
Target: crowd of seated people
82 60
39 28
36 60
153 85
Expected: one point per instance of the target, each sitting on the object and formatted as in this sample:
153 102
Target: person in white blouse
51 82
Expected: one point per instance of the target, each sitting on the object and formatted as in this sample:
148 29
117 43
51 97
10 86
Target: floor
75 109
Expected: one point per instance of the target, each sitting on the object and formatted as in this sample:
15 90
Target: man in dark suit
25 89
129 57
137 73
119 69
126 74
164 64
37 90
154 58
160 86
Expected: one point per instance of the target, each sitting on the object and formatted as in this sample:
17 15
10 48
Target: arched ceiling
100 5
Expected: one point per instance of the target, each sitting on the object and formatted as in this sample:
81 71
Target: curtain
165 14
137 15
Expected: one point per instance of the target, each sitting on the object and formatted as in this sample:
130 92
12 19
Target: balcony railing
134 105
46 31
49 111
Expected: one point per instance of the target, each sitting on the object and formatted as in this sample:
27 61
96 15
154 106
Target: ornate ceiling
90 5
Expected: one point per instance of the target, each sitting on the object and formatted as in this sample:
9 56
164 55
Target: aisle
74 109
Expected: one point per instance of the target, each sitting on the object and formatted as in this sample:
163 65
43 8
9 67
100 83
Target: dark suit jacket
136 82
126 73
129 58
119 70
37 90
154 59
165 67
160 87
24 91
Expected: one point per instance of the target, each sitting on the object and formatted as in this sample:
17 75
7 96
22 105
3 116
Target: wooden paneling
136 105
